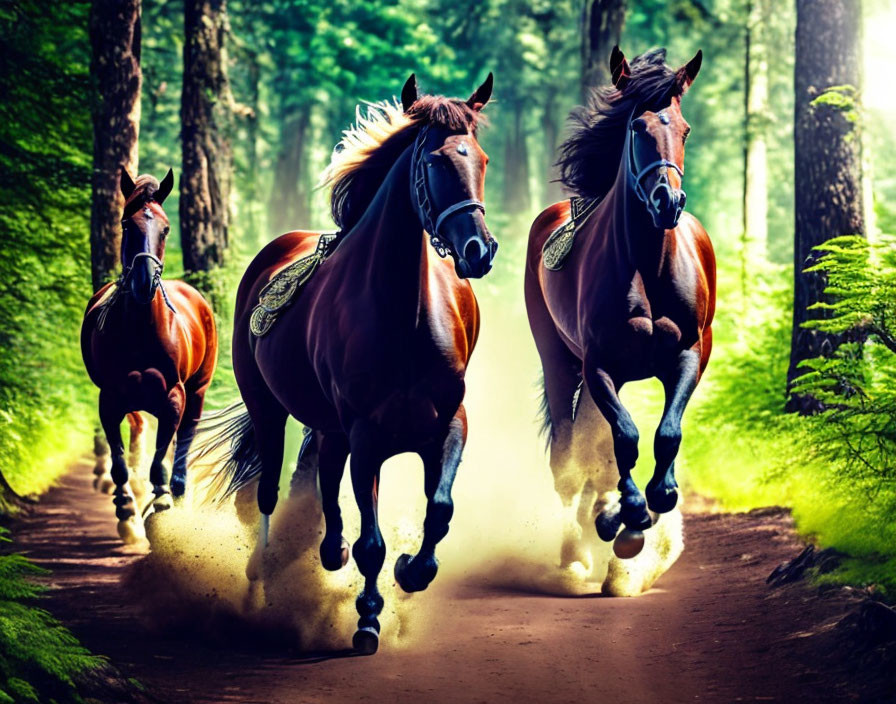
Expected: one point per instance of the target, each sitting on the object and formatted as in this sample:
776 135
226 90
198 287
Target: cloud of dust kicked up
505 534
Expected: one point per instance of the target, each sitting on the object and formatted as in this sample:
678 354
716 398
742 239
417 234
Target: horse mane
590 155
145 188
369 148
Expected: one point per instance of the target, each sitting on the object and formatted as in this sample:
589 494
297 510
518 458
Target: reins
122 289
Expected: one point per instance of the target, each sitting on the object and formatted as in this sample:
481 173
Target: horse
149 345
633 299
372 354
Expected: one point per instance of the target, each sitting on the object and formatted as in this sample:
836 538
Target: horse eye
462 148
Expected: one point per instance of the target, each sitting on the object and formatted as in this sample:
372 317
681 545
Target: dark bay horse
634 298
148 346
372 353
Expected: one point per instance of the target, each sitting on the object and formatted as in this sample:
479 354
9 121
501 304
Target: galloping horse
372 353
148 346
633 298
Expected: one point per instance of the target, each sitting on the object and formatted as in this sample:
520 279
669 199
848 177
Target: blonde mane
369 148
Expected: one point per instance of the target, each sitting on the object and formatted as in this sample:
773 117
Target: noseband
639 177
156 277
431 221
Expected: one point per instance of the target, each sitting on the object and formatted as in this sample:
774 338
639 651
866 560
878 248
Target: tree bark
114 28
602 22
754 238
517 199
828 165
206 118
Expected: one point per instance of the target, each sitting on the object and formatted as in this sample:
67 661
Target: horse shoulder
701 248
454 309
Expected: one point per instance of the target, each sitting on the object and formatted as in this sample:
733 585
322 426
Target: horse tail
228 432
544 411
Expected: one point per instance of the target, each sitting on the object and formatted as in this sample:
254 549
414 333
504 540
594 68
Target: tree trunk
206 117
602 22
115 73
517 200
553 191
755 196
289 206
827 160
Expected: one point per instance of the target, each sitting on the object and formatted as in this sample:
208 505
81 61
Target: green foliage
39 658
45 153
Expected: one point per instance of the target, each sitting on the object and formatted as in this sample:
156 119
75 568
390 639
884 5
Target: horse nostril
474 251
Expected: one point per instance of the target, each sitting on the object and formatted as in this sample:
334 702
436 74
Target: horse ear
409 93
482 94
620 73
127 183
164 187
688 72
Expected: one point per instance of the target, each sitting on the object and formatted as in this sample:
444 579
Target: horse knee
667 443
267 497
119 470
625 444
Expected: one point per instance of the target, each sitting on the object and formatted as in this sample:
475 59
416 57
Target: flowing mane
370 147
145 188
589 155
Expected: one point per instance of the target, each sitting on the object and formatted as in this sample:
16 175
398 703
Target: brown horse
149 346
372 353
635 296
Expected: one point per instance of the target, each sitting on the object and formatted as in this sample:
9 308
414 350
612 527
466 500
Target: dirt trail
711 630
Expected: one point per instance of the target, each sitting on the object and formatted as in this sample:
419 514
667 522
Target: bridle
420 185
122 288
639 176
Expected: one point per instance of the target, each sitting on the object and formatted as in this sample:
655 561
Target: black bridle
637 175
122 288
420 185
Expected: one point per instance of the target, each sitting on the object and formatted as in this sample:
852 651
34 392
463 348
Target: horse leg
332 453
632 508
186 431
137 425
440 462
111 415
169 419
370 549
102 480
679 384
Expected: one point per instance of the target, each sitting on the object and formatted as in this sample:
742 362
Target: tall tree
114 28
828 164
756 97
206 116
602 22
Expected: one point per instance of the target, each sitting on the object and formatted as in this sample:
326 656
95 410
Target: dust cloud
506 531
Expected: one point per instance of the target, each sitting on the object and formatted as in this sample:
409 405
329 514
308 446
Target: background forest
269 86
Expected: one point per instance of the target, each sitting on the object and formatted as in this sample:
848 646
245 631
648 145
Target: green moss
840 98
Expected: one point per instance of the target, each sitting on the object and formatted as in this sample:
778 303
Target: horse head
447 183
656 145
145 228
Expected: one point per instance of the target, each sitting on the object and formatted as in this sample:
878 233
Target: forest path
710 631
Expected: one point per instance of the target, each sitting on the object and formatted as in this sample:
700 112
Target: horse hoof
129 532
415 575
628 544
162 503
333 562
366 641
608 523
662 499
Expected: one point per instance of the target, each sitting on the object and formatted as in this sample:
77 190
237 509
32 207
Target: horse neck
389 241
636 242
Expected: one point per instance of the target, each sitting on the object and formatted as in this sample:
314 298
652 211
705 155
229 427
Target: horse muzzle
475 259
666 204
